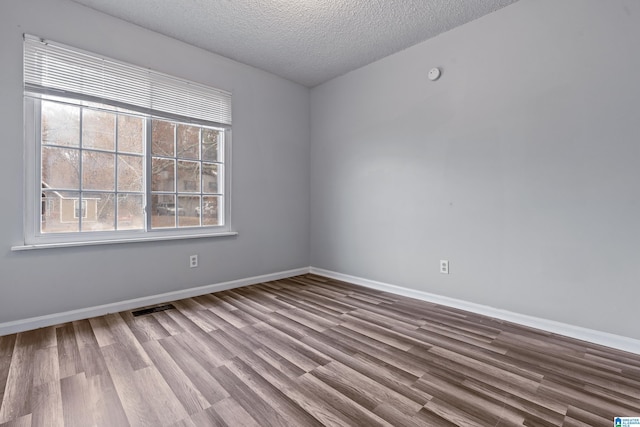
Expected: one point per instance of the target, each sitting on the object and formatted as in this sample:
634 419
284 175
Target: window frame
33 200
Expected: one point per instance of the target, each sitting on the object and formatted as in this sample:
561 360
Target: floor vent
150 310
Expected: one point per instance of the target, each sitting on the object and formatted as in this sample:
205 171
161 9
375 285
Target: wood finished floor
309 351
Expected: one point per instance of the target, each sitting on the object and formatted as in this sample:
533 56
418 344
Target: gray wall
270 173
521 165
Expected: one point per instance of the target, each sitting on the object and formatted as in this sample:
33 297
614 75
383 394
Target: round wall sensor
434 74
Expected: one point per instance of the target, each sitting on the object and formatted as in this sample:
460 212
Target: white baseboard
597 337
86 313
590 335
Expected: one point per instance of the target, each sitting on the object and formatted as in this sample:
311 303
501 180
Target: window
116 152
79 212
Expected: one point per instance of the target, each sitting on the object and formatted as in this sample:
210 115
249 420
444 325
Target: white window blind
54 69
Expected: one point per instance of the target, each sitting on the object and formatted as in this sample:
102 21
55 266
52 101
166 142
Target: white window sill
28 247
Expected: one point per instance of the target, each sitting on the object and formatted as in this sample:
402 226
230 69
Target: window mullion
36 220
115 171
80 167
148 170
175 177
200 157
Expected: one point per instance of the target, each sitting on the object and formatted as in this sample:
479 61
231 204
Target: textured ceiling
307 41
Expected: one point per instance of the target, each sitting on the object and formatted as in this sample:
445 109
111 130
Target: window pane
188 176
189 211
130 134
130 173
185 191
188 142
210 145
210 178
98 130
98 171
57 212
100 211
60 168
162 135
163 174
60 124
210 210
163 211
130 212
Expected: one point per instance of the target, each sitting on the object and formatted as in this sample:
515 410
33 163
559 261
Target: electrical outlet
193 261
444 266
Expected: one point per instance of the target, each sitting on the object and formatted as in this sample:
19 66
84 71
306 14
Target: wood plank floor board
247 304
128 343
405 361
287 326
101 331
132 396
168 323
307 320
16 401
267 338
288 385
235 341
68 353
363 390
233 414
461 374
250 401
278 363
183 388
304 351
309 351
351 411
481 406
378 333
452 413
483 357
46 404
523 381
587 418
584 400
145 328
570 371
536 408
378 371
7 344
207 418
205 382
89 350
428 418
630 399
24 421
328 313
104 402
204 350
190 318
429 332
227 316
396 417
46 367
271 395
382 320
167 406
183 322
612 356
75 401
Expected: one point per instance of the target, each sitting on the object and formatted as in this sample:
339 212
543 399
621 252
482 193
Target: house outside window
106 167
